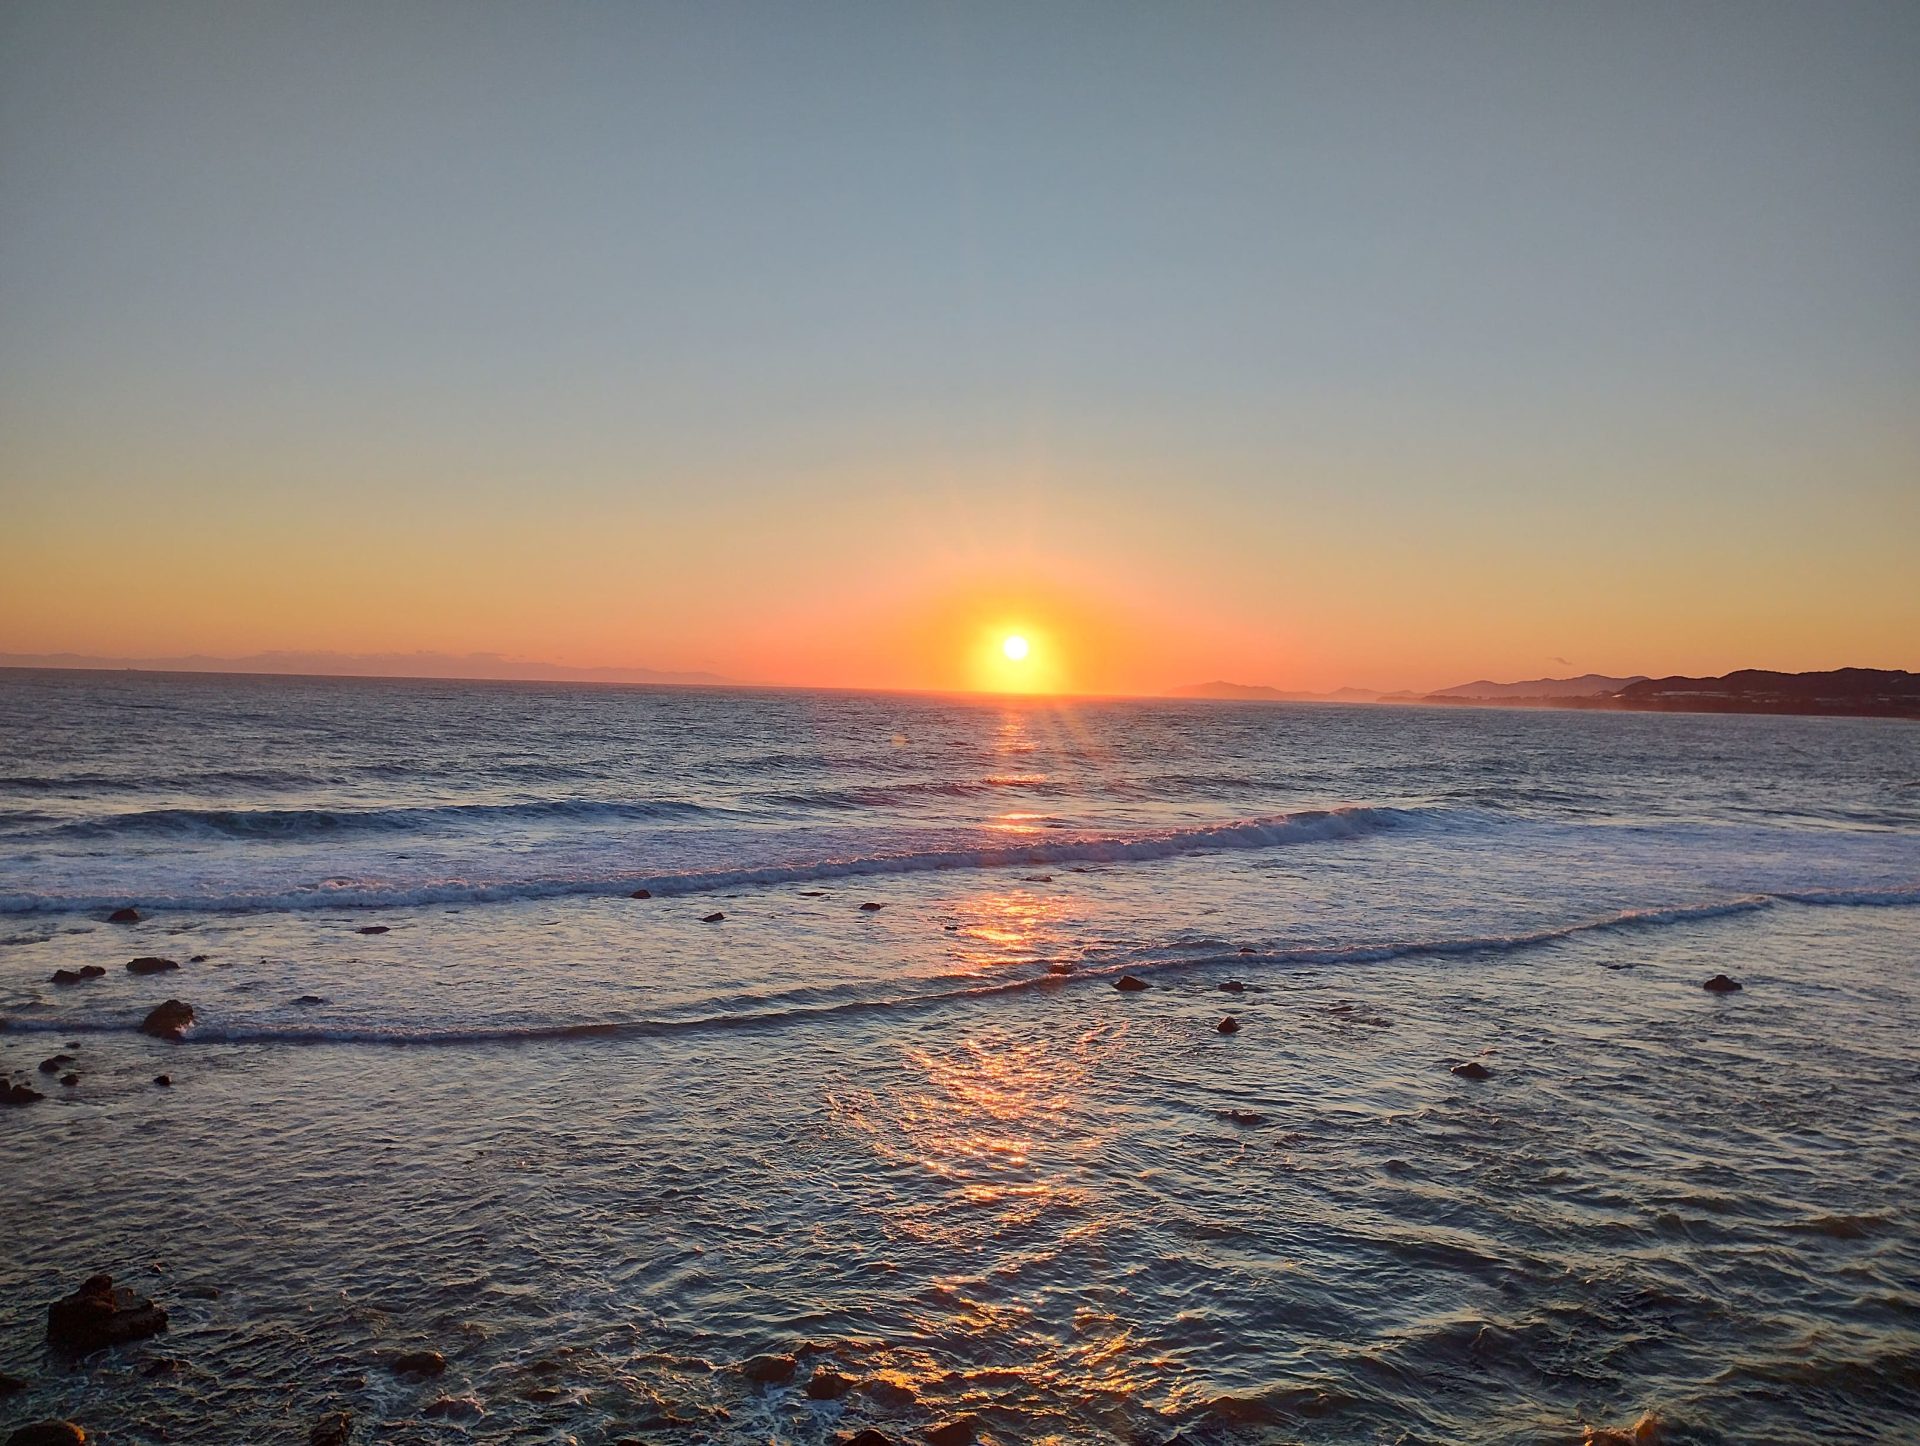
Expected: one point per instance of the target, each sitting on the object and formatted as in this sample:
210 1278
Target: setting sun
1015 648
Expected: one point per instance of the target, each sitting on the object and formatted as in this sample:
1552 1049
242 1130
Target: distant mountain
1587 685
1871 692
480 666
1255 692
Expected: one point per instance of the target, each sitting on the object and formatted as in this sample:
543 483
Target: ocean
850 1100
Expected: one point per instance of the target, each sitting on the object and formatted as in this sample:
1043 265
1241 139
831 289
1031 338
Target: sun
1015 647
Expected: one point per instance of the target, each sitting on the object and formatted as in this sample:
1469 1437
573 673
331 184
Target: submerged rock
871 908
1059 969
1720 984
168 1021
1127 984
69 1080
124 916
1233 986
332 1430
1228 1025
373 929
18 1094
1473 1069
53 1065
78 976
163 1080
150 964
1037 879
101 1314
196 958
828 1385
309 999
1247 949
715 917
867 1437
641 894
956 1431
769 1370
419 1363
48 1433
1246 1118
453 1408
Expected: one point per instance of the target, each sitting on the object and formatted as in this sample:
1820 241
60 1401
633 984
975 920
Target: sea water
604 1151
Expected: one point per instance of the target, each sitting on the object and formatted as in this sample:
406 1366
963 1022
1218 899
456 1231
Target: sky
1356 343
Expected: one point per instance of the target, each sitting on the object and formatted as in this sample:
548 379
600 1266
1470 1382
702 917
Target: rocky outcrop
18 1094
827 1384
453 1408
1473 1069
150 964
641 894
769 1370
168 1021
1720 984
101 1314
955 1431
1228 1025
1127 984
373 929
715 917
871 908
124 916
1233 986
67 977
163 1080
419 1363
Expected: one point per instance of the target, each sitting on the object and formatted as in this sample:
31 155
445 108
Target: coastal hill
1587 685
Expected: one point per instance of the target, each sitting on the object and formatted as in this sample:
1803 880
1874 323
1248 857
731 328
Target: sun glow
1015 647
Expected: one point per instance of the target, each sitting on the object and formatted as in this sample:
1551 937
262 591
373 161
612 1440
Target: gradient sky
1369 343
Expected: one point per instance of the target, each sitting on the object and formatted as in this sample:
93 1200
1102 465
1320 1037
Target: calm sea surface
602 1153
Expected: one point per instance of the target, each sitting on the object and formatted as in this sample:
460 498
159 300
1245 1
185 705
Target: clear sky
1301 344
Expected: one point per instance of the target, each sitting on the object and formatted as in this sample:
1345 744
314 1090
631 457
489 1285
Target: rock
1233 986
19 1094
124 916
64 977
419 1363
828 1385
956 1431
715 917
1127 984
163 1080
1649 1430
162 1366
769 1370
101 1314
52 1066
453 1408
871 908
1059 969
196 958
1229 1025
1720 984
309 999
69 1079
10 1385
868 1437
1241 1117
1037 879
332 1430
641 894
168 1021
373 929
148 964
1473 1069
48 1433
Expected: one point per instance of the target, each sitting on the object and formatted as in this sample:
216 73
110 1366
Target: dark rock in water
168 1021
373 929
69 1080
67 976
453 1408
19 1094
48 1433
419 1363
828 1385
10 1385
333 1430
1059 969
957 1431
200 1292
52 1066
196 958
309 999
162 1366
148 964
1247 949
124 916
769 1370
1241 1117
641 894
1473 1069
93 971
715 917
1127 984
871 908
101 1314
868 1437
163 1080
1037 879
1233 986
1720 984
1229 1025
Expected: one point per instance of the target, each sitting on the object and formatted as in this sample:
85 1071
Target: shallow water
601 1153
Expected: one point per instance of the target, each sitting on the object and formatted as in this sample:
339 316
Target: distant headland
1838 692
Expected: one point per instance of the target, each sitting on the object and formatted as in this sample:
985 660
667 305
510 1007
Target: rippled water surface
602 1153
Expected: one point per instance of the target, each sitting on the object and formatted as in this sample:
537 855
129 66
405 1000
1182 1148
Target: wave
299 823
820 1005
1309 826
